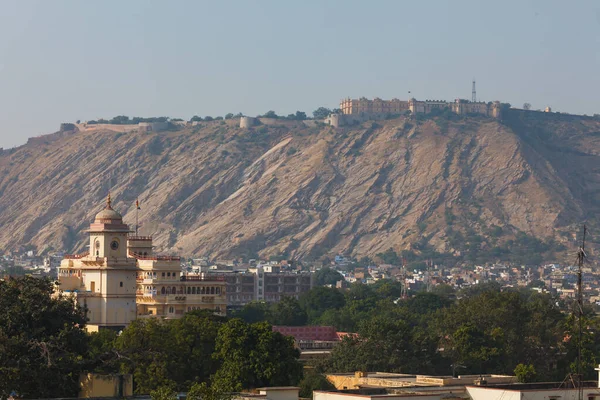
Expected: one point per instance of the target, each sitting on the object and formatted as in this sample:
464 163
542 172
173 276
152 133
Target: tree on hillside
195 118
389 257
42 340
254 356
300 115
208 118
269 114
229 116
327 276
321 113
526 106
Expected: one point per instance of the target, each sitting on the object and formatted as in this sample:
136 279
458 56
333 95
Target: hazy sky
67 60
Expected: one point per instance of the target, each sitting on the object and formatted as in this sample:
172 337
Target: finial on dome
108 202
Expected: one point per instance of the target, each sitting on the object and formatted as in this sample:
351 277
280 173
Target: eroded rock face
219 190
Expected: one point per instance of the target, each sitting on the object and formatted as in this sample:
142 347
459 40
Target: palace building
121 279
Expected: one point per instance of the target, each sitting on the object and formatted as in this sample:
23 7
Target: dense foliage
484 329
42 341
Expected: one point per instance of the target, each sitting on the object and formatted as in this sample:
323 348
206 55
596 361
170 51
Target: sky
62 61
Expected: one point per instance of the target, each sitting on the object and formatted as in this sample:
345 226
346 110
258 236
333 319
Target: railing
134 237
202 278
76 256
156 258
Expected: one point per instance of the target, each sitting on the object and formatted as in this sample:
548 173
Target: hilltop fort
362 109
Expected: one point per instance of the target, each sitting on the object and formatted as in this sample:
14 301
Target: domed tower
104 280
108 234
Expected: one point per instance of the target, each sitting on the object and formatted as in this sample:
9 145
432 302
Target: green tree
300 115
202 391
321 113
254 356
287 311
525 373
196 118
166 392
229 116
320 299
389 257
42 340
255 311
270 114
327 276
313 381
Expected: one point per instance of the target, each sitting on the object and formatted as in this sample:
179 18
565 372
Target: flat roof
535 386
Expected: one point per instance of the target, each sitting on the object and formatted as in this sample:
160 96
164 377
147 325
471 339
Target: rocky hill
464 187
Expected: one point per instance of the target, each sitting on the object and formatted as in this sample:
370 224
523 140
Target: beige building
375 106
121 279
364 107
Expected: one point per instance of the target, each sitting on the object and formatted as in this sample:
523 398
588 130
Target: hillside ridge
440 184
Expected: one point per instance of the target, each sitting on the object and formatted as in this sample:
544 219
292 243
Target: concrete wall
280 393
152 126
96 385
319 395
491 393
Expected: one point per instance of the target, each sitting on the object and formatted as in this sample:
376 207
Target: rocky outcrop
219 190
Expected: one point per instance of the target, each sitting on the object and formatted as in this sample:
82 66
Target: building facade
120 278
373 108
263 283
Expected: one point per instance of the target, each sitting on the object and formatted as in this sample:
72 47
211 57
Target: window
218 291
120 284
171 310
163 274
168 274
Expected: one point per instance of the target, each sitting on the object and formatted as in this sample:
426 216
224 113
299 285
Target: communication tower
473 93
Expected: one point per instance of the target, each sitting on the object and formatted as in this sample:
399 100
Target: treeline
44 347
319 113
125 120
480 330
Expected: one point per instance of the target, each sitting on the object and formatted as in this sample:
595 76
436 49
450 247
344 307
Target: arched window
174 291
168 290
193 290
212 290
162 291
203 290
189 290
218 291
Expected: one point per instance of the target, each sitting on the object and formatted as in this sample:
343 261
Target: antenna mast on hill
473 93
576 379
581 256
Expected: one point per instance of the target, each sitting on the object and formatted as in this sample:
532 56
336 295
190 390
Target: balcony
76 256
178 298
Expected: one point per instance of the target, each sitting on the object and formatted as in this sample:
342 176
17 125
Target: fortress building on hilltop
362 109
120 278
